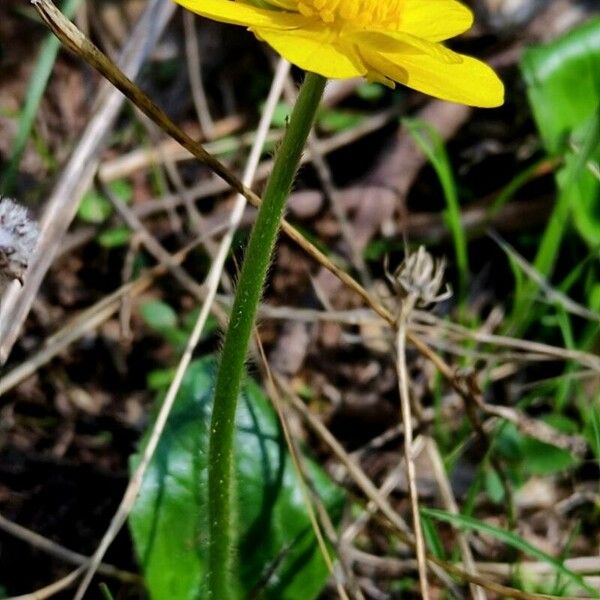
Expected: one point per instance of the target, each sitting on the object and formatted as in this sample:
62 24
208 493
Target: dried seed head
421 276
18 237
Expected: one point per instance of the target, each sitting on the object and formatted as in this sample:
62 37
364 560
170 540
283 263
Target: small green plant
277 549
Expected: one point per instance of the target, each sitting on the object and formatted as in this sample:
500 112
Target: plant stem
231 368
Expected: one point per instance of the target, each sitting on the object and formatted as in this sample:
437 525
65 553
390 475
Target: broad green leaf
510 539
278 557
563 84
580 183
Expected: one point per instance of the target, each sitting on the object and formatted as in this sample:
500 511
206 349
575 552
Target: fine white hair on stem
18 238
212 284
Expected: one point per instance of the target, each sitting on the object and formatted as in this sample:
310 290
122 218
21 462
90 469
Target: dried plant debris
18 237
422 277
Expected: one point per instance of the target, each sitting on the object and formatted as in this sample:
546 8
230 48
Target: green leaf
510 539
581 184
563 84
544 459
189 320
158 315
122 189
114 237
277 552
94 208
160 379
281 114
432 538
376 249
106 593
370 91
493 485
333 121
532 457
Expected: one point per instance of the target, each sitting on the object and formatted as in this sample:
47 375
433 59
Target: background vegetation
507 471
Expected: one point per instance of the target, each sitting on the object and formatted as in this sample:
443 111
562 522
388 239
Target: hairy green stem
243 313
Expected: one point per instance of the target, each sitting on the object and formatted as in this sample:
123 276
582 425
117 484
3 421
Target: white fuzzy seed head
18 237
421 276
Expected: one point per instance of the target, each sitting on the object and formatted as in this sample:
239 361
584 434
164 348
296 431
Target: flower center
361 13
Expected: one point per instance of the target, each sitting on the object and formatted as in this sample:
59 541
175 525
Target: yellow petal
435 20
291 5
315 49
468 82
388 44
238 13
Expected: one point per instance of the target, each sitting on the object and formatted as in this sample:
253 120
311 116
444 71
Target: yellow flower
384 40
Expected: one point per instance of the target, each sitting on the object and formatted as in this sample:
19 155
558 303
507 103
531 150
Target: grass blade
512 540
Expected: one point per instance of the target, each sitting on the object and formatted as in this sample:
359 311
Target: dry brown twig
91 318
359 476
417 282
447 495
332 193
391 516
301 472
194 65
54 588
154 247
49 547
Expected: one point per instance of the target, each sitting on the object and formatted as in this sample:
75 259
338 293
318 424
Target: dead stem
57 550
449 502
405 311
301 472
441 567
417 282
